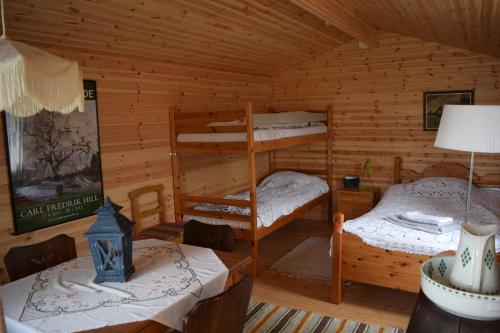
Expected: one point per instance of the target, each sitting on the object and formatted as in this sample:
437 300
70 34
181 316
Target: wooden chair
25 260
216 237
225 312
144 326
163 230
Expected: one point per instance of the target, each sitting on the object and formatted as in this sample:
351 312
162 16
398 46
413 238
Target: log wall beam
336 15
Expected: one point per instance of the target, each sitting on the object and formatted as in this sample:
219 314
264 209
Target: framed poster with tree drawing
54 165
434 102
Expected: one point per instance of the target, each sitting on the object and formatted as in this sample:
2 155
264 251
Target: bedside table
356 202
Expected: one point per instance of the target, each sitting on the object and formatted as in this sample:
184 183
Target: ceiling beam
336 15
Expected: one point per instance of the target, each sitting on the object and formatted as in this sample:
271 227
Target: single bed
372 250
443 196
266 127
279 194
260 134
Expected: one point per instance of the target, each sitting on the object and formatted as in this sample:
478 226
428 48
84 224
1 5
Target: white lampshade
472 128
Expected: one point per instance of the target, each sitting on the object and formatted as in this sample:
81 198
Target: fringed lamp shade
32 80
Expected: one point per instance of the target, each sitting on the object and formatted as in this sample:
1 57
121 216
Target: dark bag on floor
216 237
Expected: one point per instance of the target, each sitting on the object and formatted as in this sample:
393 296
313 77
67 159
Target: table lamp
471 128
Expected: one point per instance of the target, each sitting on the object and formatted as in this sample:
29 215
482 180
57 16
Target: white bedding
277 195
259 134
435 196
276 119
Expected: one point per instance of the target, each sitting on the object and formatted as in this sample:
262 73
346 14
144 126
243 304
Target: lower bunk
280 198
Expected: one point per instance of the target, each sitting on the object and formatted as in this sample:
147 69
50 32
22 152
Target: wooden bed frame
354 260
196 122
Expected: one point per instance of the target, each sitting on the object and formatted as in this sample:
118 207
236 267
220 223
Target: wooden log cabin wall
133 103
377 98
147 56
217 55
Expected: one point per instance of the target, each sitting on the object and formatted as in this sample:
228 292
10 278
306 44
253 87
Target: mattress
441 196
259 134
277 195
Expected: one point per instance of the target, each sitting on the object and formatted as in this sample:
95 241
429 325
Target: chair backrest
225 312
138 214
216 237
25 260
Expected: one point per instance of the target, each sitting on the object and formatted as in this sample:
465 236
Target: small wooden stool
164 231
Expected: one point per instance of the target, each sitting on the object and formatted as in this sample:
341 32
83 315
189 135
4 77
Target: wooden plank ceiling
467 24
261 37
252 36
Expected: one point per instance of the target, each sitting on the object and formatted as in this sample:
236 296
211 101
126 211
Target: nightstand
356 202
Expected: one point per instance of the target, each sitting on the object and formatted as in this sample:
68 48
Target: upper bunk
243 131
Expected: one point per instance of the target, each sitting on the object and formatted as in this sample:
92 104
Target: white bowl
435 285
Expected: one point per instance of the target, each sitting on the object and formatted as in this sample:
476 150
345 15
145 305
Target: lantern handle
4 33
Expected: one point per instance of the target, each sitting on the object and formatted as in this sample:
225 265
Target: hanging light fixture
32 80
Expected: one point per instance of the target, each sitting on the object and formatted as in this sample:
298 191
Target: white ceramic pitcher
475 268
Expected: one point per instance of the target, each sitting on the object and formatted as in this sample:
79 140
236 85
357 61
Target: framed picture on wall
54 165
434 102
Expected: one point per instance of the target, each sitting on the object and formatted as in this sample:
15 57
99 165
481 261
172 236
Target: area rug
269 318
310 260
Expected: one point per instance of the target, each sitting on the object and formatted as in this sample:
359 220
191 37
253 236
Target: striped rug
269 318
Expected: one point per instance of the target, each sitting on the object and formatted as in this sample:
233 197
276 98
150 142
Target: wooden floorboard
369 304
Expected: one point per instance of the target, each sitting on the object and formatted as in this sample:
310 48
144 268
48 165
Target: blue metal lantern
110 242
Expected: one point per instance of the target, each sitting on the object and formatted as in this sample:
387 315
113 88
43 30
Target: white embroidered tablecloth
169 280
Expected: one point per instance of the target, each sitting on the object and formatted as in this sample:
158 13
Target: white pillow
292 178
297 117
440 187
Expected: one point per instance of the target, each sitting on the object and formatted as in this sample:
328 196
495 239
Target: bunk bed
234 132
354 259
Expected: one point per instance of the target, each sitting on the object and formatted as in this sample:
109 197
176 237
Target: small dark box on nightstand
351 181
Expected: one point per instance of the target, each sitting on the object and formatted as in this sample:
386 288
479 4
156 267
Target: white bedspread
258 134
436 196
277 195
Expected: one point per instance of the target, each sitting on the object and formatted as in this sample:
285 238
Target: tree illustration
56 141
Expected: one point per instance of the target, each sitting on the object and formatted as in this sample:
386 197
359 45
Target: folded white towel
424 227
427 219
